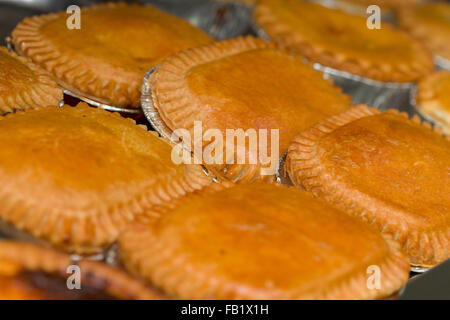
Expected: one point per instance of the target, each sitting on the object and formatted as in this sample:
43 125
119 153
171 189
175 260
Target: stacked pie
342 41
433 99
106 58
385 169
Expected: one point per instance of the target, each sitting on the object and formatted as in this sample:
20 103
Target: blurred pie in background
242 83
30 272
383 4
261 241
342 41
75 176
429 23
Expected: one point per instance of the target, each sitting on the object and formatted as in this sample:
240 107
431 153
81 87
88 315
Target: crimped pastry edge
406 20
283 35
25 214
143 256
306 172
114 281
172 71
45 92
70 74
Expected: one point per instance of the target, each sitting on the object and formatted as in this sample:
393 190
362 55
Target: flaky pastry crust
106 59
243 83
75 176
387 170
19 257
24 85
342 41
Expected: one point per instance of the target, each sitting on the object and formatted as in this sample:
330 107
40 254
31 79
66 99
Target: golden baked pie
261 241
106 59
30 272
242 84
385 169
383 4
429 23
76 176
24 85
433 99
342 41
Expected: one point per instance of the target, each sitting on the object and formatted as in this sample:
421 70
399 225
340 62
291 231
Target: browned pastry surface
385 169
243 83
29 272
24 85
342 41
108 56
429 23
76 175
261 241
433 99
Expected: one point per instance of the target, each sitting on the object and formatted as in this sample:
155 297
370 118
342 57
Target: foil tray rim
99 104
68 92
340 73
150 112
442 62
155 120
